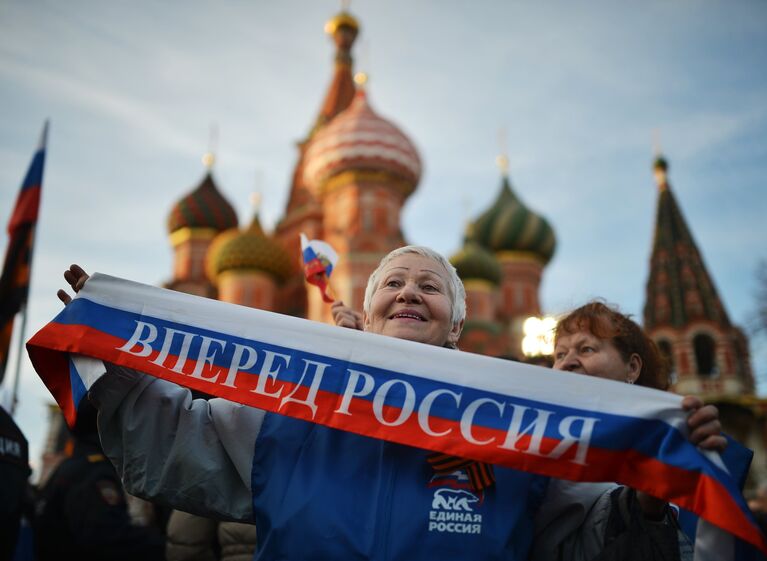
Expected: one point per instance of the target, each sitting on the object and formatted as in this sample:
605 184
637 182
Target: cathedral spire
683 313
679 289
361 79
343 28
660 172
502 159
209 158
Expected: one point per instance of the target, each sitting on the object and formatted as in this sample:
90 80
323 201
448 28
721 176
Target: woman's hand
345 316
75 277
705 431
703 423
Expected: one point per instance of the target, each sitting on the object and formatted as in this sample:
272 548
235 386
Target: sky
581 91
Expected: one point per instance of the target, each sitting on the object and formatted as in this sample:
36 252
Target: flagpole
19 356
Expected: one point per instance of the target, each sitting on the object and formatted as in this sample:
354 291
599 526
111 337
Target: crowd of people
238 475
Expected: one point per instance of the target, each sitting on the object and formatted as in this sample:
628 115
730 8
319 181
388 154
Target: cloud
146 123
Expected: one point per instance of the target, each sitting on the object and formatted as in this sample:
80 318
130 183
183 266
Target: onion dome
475 262
248 250
205 208
359 140
508 225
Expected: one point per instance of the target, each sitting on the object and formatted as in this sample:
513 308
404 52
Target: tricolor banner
520 416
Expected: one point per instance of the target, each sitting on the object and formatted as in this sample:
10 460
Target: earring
629 380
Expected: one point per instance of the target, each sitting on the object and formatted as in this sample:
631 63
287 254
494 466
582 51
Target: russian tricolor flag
28 201
14 281
319 259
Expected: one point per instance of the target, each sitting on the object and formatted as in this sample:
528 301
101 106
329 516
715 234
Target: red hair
607 323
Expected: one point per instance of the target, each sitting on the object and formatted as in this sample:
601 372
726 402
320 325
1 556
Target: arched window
705 355
668 355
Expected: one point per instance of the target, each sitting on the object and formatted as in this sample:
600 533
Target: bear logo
453 499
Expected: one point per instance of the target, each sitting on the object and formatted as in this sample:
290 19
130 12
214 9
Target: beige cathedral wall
481 300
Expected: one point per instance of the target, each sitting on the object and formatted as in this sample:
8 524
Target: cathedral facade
353 174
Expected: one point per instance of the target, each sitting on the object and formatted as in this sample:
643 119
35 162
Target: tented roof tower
683 312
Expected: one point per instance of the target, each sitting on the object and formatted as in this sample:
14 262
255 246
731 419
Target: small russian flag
319 260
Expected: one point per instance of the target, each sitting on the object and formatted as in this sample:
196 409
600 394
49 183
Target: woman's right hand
345 316
704 425
75 277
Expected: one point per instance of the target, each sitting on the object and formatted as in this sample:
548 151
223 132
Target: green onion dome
205 207
248 250
508 225
475 262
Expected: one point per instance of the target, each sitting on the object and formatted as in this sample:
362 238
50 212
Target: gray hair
455 286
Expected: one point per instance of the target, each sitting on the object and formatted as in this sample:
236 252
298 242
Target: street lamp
539 336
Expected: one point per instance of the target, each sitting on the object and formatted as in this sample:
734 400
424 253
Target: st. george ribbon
524 417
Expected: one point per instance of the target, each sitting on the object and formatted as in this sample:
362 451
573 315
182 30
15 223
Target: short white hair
455 286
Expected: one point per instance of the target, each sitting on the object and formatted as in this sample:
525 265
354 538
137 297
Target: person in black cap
82 513
14 471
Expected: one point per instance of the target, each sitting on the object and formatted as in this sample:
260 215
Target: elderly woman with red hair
606 520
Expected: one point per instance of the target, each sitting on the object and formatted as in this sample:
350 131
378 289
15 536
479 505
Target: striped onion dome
204 207
359 140
508 225
248 250
475 262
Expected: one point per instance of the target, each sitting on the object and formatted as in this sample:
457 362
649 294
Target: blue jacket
320 493
314 493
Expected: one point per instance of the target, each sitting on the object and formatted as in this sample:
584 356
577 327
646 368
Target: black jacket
14 471
82 513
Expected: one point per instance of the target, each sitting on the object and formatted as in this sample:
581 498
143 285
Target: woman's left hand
76 278
346 317
703 423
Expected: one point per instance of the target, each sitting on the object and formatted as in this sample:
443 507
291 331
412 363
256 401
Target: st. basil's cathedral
353 175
